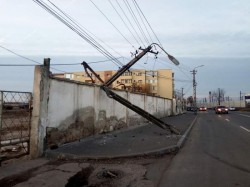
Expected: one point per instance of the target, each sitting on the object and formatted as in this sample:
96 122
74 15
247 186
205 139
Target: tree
218 95
190 100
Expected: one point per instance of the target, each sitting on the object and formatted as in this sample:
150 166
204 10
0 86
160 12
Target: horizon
183 78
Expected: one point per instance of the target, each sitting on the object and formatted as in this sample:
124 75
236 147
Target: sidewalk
144 140
136 141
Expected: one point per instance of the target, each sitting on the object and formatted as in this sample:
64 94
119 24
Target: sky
212 33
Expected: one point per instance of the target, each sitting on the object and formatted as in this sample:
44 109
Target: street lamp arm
173 59
198 67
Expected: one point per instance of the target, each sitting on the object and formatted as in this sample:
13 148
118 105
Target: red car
202 108
221 110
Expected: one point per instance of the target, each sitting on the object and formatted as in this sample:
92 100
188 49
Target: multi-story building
157 83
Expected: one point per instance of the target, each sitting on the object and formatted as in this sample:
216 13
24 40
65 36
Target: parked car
191 108
202 108
231 108
221 110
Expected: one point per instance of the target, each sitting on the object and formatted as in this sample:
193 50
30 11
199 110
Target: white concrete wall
66 111
65 98
161 108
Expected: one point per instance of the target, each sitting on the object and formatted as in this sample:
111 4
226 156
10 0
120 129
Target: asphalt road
217 153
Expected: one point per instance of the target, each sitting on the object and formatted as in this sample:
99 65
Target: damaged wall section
74 110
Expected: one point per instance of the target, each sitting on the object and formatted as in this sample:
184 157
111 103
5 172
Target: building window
127 73
151 73
69 76
127 81
154 88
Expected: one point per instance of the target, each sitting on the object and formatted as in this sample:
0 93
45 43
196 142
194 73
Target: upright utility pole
194 88
240 98
182 107
194 91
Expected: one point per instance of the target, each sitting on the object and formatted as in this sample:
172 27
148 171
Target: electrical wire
148 23
136 21
86 30
86 34
26 58
17 65
74 27
174 67
124 13
138 12
124 22
19 55
111 23
26 65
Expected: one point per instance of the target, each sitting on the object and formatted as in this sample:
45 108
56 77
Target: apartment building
158 83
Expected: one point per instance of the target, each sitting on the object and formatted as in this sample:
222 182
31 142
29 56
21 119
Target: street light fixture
173 59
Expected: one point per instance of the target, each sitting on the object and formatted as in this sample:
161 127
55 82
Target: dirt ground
133 172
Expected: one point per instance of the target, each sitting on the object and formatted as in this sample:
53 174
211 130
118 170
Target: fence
15 120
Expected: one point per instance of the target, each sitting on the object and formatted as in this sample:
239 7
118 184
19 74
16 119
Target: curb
185 135
159 152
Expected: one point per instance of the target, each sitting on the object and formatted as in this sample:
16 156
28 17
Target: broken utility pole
125 102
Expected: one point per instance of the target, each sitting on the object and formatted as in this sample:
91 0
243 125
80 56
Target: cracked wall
68 111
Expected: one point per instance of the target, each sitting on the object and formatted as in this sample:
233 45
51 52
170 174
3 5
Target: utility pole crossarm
127 66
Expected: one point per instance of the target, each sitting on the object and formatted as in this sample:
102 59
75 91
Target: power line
135 20
124 22
179 68
101 61
112 23
36 64
85 29
138 11
76 28
86 34
26 58
18 65
148 23
124 13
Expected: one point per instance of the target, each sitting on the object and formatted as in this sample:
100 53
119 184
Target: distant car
221 110
190 108
202 108
232 108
